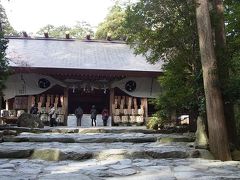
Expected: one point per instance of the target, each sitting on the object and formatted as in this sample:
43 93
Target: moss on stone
172 139
46 154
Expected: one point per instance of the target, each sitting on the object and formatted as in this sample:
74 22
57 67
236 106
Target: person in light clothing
52 115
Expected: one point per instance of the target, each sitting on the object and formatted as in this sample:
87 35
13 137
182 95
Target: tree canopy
232 18
232 22
7 28
3 61
79 31
112 24
166 30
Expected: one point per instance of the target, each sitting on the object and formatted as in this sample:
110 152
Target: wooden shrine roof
74 57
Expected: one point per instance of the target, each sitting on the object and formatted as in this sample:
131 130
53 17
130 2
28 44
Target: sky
31 15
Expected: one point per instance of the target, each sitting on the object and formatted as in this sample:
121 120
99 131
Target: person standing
93 113
105 116
53 115
79 114
34 109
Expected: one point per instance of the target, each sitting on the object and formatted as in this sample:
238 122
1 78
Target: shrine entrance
85 100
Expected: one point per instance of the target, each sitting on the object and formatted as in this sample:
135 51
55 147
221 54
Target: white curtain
145 87
27 84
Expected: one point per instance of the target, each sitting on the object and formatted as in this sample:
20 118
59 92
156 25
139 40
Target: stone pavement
107 153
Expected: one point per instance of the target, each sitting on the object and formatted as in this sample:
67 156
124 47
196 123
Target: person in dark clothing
79 114
34 109
93 113
105 116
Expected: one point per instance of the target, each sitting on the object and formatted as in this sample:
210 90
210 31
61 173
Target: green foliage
4 28
232 17
3 61
237 117
155 122
159 29
166 30
182 89
233 87
112 24
81 29
7 28
78 31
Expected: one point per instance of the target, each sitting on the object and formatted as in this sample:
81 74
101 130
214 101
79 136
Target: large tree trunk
218 140
222 62
193 115
0 90
1 25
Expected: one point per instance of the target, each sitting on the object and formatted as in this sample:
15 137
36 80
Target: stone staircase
102 153
97 143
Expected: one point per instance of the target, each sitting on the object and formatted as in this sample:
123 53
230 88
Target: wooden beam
87 72
65 105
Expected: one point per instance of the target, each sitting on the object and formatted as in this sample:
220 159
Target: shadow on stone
24 153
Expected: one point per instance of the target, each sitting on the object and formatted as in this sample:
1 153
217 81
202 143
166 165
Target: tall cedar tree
218 139
223 63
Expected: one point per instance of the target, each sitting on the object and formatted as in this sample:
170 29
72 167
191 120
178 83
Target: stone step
97 138
80 151
115 169
82 130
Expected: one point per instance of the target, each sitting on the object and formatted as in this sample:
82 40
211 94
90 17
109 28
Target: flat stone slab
131 169
82 130
78 151
97 138
80 138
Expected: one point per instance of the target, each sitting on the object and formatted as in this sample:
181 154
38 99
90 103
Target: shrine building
70 73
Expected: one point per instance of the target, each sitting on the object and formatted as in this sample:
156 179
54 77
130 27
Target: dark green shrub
155 123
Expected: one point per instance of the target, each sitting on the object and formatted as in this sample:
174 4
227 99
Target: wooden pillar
146 109
1 102
65 102
40 103
56 101
29 103
52 99
7 104
135 105
111 102
48 102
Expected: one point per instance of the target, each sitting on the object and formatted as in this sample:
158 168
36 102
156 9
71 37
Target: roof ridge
63 39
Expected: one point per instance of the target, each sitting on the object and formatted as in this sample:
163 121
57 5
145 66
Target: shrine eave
85 72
